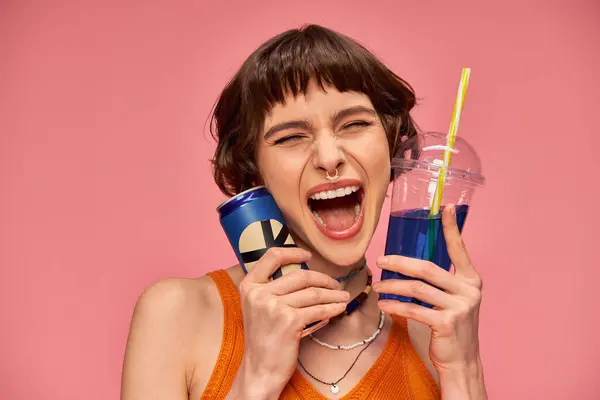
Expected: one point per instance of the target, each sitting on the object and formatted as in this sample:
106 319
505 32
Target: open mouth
338 210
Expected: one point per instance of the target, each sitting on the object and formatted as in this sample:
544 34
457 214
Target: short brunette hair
286 64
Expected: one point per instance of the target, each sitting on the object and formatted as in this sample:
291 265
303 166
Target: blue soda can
253 224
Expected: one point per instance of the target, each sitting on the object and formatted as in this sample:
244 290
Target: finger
313 295
274 258
417 289
463 267
421 269
412 311
455 244
301 279
321 312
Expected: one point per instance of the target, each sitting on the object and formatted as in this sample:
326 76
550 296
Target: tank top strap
232 346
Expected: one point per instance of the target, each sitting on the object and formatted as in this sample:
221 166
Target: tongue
337 214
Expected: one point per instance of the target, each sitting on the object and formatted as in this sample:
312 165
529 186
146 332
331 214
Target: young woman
316 118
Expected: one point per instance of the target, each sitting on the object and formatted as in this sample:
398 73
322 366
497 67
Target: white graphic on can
260 236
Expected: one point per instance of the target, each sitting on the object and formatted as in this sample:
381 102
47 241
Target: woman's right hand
275 314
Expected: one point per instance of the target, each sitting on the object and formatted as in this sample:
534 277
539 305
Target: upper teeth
332 194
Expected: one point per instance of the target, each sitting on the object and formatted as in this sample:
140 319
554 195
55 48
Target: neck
351 277
354 285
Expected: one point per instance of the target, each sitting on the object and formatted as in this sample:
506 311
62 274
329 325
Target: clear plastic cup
411 230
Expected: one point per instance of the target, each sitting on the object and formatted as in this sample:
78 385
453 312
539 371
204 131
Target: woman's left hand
454 320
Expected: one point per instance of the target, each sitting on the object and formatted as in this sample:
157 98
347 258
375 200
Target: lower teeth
318 217
356 212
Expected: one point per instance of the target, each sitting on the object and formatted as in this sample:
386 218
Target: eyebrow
338 116
303 124
286 125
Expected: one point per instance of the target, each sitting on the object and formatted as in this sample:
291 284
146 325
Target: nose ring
332 178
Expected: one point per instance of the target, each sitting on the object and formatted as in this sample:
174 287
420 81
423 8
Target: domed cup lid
425 153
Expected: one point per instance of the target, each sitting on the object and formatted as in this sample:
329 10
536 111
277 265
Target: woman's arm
155 357
463 383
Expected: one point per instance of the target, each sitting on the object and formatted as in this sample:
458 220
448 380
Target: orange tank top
398 373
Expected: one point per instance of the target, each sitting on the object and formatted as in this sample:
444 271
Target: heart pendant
335 389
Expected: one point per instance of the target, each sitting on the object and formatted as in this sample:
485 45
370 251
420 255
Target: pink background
106 187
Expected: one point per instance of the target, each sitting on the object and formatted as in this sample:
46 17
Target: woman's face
309 136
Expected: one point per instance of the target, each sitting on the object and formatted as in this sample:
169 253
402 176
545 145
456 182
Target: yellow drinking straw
450 139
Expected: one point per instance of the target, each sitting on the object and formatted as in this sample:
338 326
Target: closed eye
357 124
289 139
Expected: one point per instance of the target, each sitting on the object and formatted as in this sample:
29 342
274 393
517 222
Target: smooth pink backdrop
106 185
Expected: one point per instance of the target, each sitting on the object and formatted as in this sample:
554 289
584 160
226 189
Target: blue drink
412 233
421 179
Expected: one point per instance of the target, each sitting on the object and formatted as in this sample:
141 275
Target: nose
328 156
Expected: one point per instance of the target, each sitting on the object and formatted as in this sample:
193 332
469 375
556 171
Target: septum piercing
332 178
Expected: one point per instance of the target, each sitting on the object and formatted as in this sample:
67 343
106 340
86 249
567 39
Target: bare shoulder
174 338
178 305
420 338
176 295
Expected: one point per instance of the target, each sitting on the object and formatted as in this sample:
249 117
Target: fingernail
453 211
376 286
347 295
382 260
